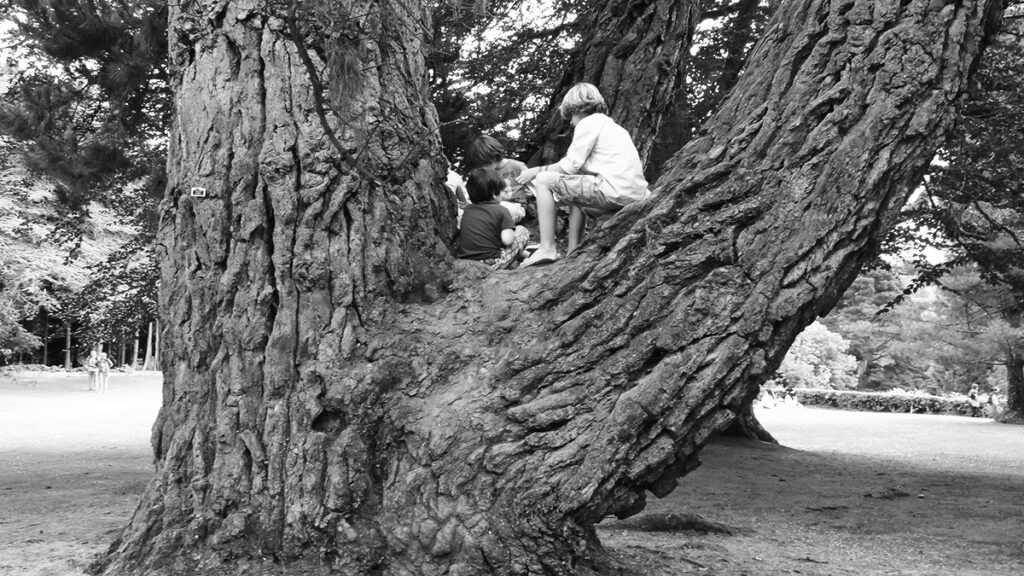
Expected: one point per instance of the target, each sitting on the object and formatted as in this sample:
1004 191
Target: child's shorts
583 190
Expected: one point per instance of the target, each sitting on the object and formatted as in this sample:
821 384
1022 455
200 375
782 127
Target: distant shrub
895 401
36 368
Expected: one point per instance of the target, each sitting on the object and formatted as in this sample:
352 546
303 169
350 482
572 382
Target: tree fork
341 398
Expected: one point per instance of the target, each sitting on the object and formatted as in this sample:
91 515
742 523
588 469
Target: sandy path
72 463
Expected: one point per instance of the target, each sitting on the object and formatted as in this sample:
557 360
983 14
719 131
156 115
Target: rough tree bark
336 402
631 53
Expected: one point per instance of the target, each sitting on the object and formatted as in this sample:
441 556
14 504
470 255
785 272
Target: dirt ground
846 493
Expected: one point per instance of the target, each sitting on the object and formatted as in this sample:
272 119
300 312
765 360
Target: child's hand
529 174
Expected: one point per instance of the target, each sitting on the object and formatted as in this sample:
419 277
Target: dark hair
483 151
484 184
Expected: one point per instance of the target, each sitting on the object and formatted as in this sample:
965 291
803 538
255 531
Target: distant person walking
974 401
92 367
103 365
993 405
789 397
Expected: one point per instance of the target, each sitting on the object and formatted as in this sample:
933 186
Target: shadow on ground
846 493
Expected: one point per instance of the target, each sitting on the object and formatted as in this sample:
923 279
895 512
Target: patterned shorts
583 190
510 254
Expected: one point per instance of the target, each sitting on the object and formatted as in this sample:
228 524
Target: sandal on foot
538 260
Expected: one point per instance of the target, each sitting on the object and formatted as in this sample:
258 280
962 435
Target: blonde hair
583 98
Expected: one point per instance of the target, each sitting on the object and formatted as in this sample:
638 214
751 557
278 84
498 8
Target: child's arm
508 225
584 138
530 173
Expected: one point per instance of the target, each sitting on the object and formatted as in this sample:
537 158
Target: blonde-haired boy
600 173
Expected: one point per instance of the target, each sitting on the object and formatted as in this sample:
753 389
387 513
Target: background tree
93 110
89 116
39 282
974 200
493 65
340 395
900 345
859 317
987 329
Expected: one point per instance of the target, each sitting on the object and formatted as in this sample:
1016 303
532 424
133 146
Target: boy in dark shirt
487 152
487 232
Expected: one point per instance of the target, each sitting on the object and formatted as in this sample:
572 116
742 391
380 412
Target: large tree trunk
631 53
336 402
279 426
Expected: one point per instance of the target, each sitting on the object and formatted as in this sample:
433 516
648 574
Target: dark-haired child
487 232
487 152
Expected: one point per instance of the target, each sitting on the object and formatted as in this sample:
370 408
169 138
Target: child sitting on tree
488 233
601 172
487 152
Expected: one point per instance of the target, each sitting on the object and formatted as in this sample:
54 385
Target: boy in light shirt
600 173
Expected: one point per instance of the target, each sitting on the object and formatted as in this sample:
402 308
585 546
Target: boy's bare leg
577 219
546 214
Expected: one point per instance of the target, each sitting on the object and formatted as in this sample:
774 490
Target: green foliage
37 276
92 107
493 67
14 339
880 342
120 295
86 111
818 359
923 343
